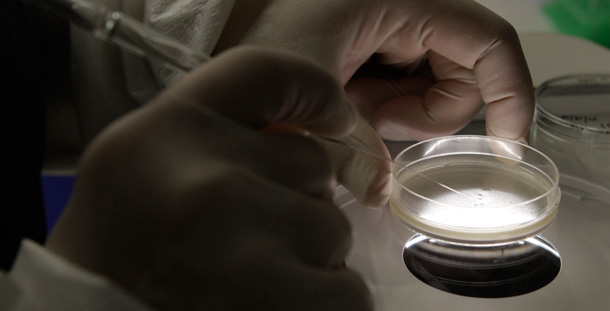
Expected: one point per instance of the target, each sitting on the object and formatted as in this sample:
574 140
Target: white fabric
197 23
108 84
41 280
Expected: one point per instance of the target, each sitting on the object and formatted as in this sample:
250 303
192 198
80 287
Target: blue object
56 190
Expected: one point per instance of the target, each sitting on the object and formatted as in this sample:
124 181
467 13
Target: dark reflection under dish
488 271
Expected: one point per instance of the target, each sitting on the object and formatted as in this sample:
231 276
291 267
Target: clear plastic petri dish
475 189
572 125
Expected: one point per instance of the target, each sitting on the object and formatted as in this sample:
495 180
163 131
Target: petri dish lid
475 189
576 106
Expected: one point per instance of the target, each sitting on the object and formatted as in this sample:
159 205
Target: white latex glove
188 205
452 57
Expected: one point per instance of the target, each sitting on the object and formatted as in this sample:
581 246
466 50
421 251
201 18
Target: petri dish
572 125
475 189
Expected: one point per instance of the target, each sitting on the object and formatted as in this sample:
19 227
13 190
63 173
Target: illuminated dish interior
475 189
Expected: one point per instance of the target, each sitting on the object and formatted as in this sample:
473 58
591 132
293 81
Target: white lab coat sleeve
41 280
196 23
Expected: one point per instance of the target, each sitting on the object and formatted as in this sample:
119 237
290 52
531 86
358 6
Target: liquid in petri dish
489 193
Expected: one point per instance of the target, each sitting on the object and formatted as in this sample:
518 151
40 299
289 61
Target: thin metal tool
135 37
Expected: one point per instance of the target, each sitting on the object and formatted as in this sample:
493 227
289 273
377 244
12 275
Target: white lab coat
41 280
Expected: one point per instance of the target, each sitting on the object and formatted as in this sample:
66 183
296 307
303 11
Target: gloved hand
448 59
188 204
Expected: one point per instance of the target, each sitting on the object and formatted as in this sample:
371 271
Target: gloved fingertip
521 137
378 192
377 201
390 131
511 154
339 119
